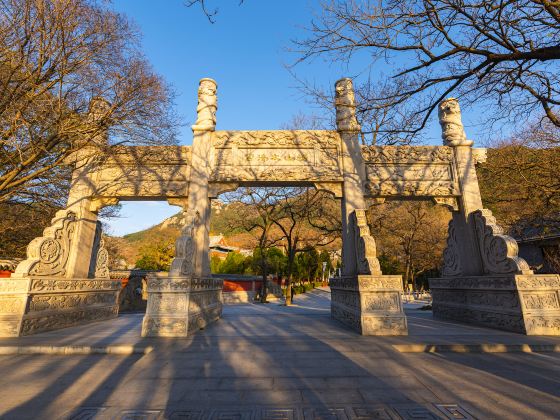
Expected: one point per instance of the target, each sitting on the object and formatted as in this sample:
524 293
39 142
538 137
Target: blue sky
245 51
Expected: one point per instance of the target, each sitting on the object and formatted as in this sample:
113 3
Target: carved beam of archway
217 188
335 188
179 201
449 202
100 202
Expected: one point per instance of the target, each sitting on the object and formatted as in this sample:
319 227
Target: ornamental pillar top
345 103
452 130
99 108
207 106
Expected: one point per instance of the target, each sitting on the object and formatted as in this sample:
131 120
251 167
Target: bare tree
210 13
383 121
502 54
299 219
294 210
56 58
254 209
412 232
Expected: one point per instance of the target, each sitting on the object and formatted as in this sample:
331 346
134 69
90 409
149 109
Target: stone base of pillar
526 304
369 304
179 305
29 305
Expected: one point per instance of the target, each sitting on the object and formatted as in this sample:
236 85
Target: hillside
128 249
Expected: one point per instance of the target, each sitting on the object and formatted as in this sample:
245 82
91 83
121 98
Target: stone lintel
369 304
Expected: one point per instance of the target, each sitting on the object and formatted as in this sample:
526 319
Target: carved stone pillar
353 169
362 298
484 281
188 298
80 198
64 280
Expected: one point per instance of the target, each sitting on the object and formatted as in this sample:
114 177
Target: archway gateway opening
139 248
284 235
484 281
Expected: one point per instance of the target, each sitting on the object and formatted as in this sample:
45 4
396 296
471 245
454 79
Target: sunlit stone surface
64 280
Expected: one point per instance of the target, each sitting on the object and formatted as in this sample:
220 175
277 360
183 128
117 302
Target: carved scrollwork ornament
102 262
498 251
451 256
366 252
47 255
407 154
449 202
276 138
184 262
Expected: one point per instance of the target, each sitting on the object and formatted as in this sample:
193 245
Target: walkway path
275 362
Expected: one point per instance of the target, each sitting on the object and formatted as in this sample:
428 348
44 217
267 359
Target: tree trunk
290 267
289 290
264 290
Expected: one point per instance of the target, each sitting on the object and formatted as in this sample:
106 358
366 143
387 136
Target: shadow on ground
271 361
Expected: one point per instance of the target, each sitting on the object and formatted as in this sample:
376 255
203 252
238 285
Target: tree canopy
58 58
504 55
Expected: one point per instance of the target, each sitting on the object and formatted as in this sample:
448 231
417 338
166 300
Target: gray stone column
469 202
80 203
467 259
353 170
362 297
188 298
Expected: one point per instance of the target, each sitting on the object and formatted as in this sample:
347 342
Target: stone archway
64 280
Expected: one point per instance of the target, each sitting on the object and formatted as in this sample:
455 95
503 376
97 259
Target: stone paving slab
273 362
477 348
73 350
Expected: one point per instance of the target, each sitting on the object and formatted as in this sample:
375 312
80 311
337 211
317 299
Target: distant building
540 247
8 266
219 248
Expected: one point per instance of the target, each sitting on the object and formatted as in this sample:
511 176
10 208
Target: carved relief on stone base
63 319
476 316
31 305
527 304
180 305
384 325
164 327
10 326
543 325
205 307
13 304
57 302
369 304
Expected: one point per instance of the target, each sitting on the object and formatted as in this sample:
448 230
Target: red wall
4 273
240 286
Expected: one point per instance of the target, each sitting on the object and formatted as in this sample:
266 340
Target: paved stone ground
273 362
